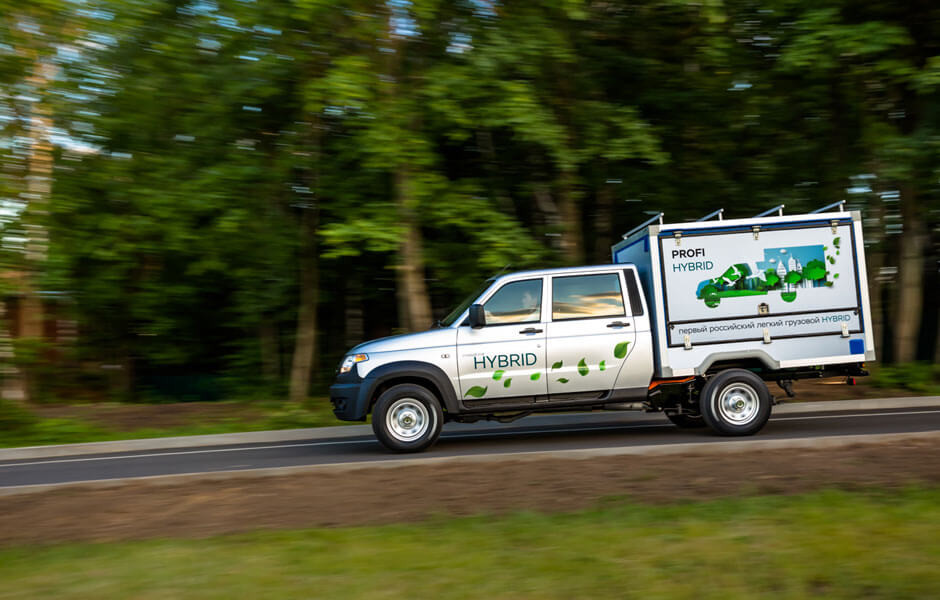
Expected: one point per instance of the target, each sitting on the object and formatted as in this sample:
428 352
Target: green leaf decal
476 391
582 368
836 242
535 376
498 374
507 382
620 350
603 365
562 380
556 365
831 260
836 276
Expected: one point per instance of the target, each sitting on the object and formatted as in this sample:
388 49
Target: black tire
407 418
687 420
735 402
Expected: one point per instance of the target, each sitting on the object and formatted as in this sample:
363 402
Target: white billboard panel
717 283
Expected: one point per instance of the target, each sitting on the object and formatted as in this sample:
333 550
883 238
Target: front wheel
407 418
736 402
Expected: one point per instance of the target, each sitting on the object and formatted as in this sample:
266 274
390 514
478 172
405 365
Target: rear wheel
735 402
407 418
687 420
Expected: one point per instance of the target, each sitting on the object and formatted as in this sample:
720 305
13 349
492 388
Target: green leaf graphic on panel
562 380
788 296
476 391
603 365
507 382
556 365
836 242
535 376
582 368
831 260
771 277
836 276
498 374
620 350
814 270
710 296
793 277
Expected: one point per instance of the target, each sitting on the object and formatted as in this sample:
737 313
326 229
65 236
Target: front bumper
345 395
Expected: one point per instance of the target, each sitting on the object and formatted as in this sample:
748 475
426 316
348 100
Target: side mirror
477 317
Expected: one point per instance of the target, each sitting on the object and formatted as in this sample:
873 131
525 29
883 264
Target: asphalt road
541 433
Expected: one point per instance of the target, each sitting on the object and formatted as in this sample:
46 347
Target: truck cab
556 339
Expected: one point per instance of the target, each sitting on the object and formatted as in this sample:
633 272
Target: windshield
454 314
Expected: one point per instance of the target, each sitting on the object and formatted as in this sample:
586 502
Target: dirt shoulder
140 510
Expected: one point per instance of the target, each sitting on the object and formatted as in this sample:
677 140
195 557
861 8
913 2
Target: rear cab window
587 297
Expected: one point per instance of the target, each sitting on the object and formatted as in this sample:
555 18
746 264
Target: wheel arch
748 360
420 373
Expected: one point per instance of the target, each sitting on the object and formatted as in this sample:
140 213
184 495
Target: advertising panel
731 286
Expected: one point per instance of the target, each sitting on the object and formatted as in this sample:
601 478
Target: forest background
207 199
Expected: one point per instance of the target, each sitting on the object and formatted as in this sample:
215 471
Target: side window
516 302
587 296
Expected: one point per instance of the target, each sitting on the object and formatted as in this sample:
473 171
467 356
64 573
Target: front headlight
350 361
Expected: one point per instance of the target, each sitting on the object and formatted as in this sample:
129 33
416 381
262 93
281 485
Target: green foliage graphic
498 374
582 368
556 365
535 376
476 391
562 380
507 382
620 350
814 270
602 366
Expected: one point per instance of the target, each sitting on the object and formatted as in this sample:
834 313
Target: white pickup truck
691 319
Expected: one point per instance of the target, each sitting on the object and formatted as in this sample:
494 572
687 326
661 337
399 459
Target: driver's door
506 357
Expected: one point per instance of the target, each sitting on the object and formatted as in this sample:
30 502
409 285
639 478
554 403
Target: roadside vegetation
831 544
919 378
63 424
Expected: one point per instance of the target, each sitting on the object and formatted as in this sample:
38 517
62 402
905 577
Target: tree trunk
572 244
306 338
910 292
414 305
38 190
267 342
603 236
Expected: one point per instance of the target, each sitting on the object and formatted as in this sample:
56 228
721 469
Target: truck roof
560 271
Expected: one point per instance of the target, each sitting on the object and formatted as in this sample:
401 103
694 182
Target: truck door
590 334
506 357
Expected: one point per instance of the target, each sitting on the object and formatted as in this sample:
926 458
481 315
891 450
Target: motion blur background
216 199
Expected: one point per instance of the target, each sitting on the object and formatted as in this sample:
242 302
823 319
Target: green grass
917 377
825 544
20 427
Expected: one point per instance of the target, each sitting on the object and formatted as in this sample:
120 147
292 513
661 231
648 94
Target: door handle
618 324
531 330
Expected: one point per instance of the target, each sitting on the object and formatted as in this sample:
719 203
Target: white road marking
443 437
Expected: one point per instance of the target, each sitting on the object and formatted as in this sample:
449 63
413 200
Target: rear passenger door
590 333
